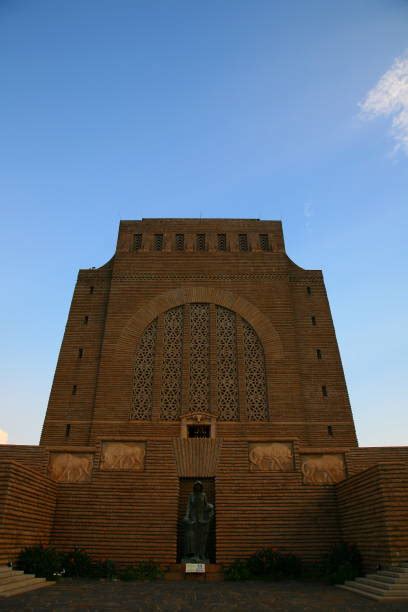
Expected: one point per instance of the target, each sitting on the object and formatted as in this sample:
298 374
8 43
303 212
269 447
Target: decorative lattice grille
257 403
137 242
227 374
143 374
199 366
222 242
243 242
199 357
179 242
200 242
158 242
264 242
170 396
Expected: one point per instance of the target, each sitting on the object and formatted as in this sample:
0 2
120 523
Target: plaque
195 568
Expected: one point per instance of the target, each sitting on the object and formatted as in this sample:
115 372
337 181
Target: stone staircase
176 571
385 585
14 582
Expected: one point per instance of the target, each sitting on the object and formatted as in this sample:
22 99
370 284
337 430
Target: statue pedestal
177 571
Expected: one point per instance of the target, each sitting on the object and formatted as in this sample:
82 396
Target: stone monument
196 525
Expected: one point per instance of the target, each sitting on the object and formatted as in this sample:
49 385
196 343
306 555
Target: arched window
200 357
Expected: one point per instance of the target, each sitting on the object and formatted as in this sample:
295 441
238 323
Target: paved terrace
184 596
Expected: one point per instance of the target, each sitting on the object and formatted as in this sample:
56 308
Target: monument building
200 351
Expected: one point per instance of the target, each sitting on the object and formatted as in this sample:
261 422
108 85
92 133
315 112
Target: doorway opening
186 487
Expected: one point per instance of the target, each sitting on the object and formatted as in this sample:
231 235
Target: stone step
25 587
7 571
366 587
394 574
375 583
20 583
378 590
358 591
15 579
384 579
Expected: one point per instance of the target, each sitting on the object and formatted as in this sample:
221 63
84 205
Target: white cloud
308 210
389 97
3 437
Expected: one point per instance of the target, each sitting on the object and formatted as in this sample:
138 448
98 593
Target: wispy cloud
308 213
3 437
389 97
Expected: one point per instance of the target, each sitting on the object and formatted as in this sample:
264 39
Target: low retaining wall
27 506
373 513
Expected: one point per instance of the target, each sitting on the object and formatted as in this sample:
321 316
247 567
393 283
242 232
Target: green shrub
273 565
343 562
77 563
265 564
43 562
145 570
104 569
238 570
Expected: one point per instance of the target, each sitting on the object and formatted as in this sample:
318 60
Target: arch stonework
129 339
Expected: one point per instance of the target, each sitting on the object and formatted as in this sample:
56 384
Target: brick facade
200 323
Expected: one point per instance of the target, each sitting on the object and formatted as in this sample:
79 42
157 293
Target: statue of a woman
196 525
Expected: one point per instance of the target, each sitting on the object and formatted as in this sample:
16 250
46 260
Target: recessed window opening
137 242
91 290
74 389
199 431
67 430
200 242
330 430
313 319
243 242
158 242
309 290
179 242
86 319
318 353
324 391
264 242
222 242
80 353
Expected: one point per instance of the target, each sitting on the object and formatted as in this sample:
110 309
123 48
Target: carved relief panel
323 469
270 457
123 456
70 467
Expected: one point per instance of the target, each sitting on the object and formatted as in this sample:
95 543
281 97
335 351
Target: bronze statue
196 525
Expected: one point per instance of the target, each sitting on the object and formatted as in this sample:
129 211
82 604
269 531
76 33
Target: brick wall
124 516
373 513
133 286
27 505
270 509
35 457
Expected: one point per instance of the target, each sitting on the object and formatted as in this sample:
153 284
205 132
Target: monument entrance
185 489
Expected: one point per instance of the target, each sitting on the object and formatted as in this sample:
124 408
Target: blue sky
297 111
